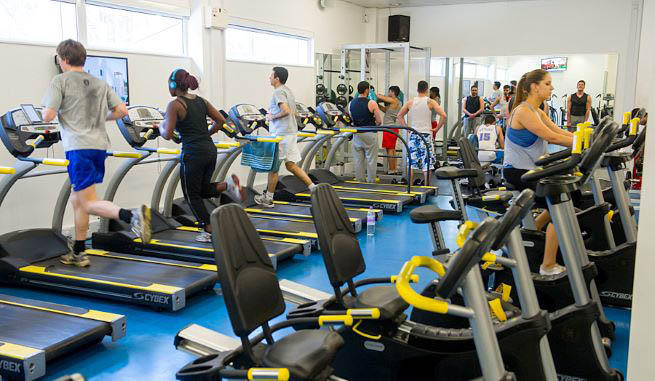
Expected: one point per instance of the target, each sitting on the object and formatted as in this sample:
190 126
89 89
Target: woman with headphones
187 114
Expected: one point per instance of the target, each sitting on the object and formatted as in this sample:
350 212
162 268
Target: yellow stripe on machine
7 171
132 155
295 234
282 216
394 185
325 132
154 287
356 199
106 254
18 352
378 191
157 242
276 139
89 314
226 144
305 134
168 151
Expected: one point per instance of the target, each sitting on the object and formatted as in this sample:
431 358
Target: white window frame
81 20
310 40
40 43
443 67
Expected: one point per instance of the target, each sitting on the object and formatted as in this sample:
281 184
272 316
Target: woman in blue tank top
528 133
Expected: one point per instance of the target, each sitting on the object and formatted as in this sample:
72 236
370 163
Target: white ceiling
418 3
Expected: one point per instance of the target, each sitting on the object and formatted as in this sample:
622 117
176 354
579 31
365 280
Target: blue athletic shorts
86 167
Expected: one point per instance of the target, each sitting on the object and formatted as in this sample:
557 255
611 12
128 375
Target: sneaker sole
74 263
145 228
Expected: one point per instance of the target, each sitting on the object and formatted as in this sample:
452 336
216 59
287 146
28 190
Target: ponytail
182 80
523 87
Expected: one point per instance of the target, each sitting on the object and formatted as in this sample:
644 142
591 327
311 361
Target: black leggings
196 171
513 177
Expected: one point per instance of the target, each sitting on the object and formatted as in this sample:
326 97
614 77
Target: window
469 70
37 21
111 28
437 67
501 75
248 44
481 71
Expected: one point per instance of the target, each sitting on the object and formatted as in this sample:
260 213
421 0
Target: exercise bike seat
451 173
303 352
430 213
384 298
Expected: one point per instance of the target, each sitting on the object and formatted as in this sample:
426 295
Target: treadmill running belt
50 332
129 272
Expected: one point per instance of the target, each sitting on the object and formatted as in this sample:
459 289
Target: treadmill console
140 124
305 116
247 118
331 114
25 124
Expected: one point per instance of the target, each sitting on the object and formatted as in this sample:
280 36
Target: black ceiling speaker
398 28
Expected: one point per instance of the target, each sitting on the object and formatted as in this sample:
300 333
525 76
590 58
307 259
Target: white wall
533 28
588 67
30 202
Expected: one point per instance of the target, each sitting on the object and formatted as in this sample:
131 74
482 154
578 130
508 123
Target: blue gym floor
147 352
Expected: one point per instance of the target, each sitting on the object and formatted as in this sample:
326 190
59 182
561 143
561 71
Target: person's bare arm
48 115
501 137
586 114
385 99
528 120
167 128
400 118
494 103
477 113
117 112
440 111
375 109
568 112
284 111
216 117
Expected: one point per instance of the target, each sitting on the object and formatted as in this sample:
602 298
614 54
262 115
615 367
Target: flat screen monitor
112 70
554 64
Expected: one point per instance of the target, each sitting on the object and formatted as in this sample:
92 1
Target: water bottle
370 222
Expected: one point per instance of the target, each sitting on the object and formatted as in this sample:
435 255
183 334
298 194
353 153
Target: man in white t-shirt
490 138
420 114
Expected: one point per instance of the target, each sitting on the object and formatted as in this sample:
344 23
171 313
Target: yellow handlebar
587 137
412 297
225 144
132 155
464 231
348 130
634 126
305 121
55 162
276 139
577 141
268 374
325 132
253 125
306 134
148 133
626 117
413 279
335 319
228 127
7 171
37 141
168 151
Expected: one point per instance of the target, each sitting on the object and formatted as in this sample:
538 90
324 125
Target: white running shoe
556 269
204 237
234 188
264 200
141 223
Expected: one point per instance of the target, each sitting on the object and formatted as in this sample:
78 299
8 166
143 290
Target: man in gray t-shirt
83 104
282 118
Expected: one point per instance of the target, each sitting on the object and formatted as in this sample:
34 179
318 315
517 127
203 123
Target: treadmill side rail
21 362
300 294
201 341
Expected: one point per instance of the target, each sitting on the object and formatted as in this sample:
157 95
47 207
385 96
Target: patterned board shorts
420 156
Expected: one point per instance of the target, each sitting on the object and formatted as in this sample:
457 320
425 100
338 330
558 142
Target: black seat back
248 281
470 160
478 243
341 252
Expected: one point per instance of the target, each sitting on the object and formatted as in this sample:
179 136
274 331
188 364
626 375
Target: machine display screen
144 113
301 108
247 109
112 70
329 107
31 114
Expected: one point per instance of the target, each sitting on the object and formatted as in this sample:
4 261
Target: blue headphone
171 81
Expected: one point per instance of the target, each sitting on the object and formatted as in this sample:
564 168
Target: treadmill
33 333
30 257
331 115
170 239
291 189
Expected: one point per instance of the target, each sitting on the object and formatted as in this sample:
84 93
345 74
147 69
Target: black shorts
512 176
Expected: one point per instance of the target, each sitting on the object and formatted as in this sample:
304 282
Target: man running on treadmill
83 104
281 114
187 114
